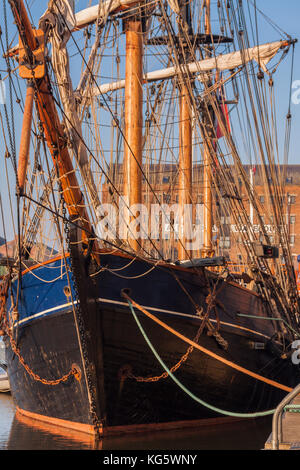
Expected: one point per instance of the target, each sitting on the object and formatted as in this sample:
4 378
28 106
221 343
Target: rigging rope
188 392
207 351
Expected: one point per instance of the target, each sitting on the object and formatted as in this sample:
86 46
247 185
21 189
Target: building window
292 219
225 220
289 179
262 199
292 239
166 179
291 199
224 242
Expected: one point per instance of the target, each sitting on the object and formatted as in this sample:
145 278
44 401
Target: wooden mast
25 137
207 178
185 150
185 164
133 120
32 44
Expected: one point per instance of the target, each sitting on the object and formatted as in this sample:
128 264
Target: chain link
5 329
81 329
3 297
73 371
211 301
8 331
164 375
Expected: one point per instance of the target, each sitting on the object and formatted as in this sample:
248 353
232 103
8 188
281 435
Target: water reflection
24 437
20 433
7 412
247 435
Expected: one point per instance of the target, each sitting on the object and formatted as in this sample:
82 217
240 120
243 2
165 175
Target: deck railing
277 417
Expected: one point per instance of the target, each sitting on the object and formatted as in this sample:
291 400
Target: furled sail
261 54
89 15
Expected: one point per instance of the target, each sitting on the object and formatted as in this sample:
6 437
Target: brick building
226 236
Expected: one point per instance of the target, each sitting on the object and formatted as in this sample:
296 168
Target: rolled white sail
261 54
89 15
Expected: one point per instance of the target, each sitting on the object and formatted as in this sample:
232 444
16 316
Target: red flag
223 109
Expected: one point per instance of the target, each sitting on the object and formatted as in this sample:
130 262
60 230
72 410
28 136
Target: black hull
162 401
115 345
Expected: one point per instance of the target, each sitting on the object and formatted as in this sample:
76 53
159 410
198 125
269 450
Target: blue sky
284 14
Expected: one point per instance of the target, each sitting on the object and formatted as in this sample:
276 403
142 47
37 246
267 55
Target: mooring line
207 351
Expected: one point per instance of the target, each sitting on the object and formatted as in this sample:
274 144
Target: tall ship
143 127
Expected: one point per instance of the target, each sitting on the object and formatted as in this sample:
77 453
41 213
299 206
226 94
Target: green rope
194 397
292 408
269 318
